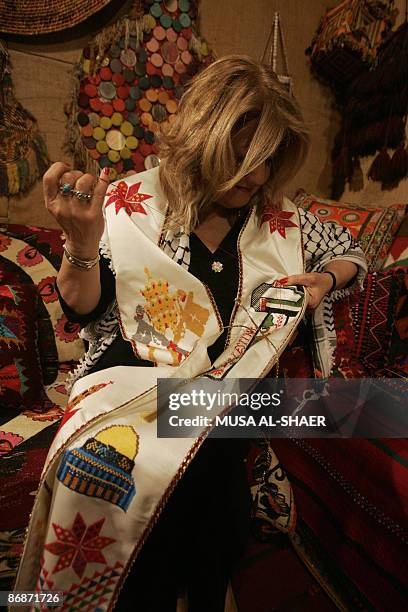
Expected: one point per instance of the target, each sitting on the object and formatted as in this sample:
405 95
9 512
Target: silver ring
81 195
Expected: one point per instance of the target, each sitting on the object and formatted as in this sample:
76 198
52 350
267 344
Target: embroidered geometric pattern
12 329
12 377
93 592
374 228
78 545
44 583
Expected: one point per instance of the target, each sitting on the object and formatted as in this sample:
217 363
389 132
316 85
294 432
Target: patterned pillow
374 228
33 255
21 384
398 253
378 320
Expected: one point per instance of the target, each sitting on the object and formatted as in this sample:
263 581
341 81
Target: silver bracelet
84 264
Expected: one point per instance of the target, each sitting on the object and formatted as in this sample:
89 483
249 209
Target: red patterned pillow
33 255
21 384
374 228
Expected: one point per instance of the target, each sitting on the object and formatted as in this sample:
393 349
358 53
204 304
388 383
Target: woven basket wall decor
33 17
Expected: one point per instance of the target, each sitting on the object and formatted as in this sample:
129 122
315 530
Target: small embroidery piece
217 266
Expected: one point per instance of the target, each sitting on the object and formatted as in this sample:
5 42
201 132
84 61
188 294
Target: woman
198 266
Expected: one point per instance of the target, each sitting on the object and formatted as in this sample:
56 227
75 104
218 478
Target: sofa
351 496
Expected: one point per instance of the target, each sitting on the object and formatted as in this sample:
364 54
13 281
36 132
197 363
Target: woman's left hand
317 285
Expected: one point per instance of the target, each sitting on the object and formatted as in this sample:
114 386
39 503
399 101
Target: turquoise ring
65 189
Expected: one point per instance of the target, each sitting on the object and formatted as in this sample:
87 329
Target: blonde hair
198 163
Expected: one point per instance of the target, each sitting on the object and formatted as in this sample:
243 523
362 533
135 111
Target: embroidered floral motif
65 330
9 292
78 545
5 242
92 592
128 198
46 287
8 440
278 220
29 256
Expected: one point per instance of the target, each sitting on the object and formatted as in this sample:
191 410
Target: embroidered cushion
33 255
373 228
21 384
398 253
380 320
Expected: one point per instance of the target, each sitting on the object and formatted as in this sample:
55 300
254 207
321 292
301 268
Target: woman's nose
258 176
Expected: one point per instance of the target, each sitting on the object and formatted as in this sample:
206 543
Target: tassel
380 168
357 178
342 164
399 164
341 172
396 132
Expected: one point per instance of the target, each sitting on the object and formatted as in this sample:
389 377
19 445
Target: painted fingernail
104 174
283 281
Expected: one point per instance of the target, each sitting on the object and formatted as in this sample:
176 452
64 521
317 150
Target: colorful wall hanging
128 83
23 156
347 40
32 17
374 119
353 53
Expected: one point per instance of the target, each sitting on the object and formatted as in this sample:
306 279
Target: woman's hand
81 220
317 285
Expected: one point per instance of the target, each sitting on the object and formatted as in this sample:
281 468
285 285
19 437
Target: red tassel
399 163
380 168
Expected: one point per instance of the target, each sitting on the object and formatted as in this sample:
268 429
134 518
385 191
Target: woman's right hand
81 220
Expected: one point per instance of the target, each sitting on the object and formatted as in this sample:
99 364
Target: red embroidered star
78 546
128 198
277 219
